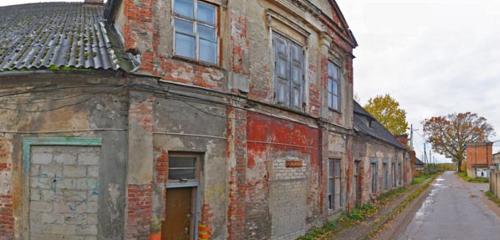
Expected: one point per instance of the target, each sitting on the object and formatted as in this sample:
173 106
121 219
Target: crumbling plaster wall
186 123
368 150
246 55
63 105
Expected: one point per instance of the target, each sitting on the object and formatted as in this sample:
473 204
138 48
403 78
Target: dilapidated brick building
382 162
216 119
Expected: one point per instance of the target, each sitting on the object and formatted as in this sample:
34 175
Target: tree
388 112
449 135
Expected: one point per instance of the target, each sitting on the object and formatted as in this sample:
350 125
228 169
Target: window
335 200
183 168
333 86
374 171
288 72
195 24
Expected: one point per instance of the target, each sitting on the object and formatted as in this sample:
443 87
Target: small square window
182 168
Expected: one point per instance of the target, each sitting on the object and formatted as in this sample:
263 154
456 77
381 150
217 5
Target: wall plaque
294 164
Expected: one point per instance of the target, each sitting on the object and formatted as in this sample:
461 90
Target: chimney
403 139
96 2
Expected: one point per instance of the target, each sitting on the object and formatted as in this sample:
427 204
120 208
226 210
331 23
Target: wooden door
394 177
178 224
357 182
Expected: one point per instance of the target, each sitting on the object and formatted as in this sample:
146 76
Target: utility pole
425 158
430 158
411 136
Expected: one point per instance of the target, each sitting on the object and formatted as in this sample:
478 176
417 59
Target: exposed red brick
240 43
139 204
237 182
162 167
6 210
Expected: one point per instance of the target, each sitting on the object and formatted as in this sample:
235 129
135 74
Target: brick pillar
237 163
6 209
351 201
139 30
140 166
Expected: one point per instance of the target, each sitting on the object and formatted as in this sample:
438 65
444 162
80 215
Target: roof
362 124
419 162
46 35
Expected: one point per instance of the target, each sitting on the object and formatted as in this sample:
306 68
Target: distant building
419 165
496 160
479 159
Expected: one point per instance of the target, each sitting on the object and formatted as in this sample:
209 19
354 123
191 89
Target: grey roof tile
37 36
376 130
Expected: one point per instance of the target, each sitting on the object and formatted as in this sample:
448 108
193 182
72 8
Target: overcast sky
434 56
12 2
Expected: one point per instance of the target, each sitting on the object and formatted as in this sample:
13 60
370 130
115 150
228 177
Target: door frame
27 143
194 184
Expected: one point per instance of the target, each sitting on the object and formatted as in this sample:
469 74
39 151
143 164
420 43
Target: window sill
288 108
180 184
192 61
334 110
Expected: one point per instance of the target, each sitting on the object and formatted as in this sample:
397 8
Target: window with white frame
288 72
333 86
334 184
195 24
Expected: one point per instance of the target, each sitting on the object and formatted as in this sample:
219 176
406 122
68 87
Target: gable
331 10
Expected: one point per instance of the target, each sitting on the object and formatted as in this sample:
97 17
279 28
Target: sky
12 2
434 56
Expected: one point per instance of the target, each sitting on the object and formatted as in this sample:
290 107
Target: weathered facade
260 122
382 161
204 119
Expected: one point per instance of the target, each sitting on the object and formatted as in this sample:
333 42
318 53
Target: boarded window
333 86
289 72
195 24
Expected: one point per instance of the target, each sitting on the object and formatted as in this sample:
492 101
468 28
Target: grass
388 196
466 178
362 213
345 220
421 178
492 197
394 212
356 215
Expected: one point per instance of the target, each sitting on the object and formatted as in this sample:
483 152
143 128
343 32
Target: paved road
453 210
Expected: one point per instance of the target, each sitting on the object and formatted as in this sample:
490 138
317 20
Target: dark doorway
357 182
